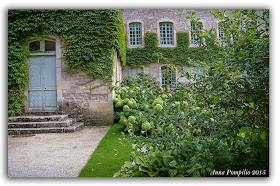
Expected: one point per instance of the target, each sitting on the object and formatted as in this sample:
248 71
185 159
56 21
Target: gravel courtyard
52 155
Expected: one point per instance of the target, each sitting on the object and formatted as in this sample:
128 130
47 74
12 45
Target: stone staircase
34 124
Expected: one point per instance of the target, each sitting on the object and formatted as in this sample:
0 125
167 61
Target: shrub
217 121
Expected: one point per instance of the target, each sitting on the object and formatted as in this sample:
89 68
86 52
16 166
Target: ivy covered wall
91 35
182 54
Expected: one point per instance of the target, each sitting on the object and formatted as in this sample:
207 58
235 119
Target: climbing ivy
91 35
182 54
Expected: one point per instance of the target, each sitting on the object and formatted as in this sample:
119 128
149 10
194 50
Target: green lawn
110 154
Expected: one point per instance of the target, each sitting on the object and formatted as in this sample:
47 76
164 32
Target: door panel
50 99
35 81
42 83
35 94
49 85
49 73
35 99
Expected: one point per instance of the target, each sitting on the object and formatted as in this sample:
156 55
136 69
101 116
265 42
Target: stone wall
75 97
150 19
154 69
93 107
117 77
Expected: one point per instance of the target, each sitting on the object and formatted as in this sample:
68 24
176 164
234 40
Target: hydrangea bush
219 120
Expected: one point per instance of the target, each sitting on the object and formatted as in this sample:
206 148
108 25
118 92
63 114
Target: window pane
195 32
222 34
166 33
168 77
34 46
135 34
49 45
135 70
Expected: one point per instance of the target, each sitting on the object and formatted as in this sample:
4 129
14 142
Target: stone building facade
92 106
68 91
150 20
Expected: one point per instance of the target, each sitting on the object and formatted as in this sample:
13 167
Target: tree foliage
220 119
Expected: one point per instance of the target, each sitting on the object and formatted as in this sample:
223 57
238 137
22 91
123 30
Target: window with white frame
135 70
195 33
166 34
135 34
168 77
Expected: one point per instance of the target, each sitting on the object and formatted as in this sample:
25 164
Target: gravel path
52 155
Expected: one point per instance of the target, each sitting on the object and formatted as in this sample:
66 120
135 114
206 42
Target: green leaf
263 134
209 170
172 172
174 117
143 169
252 104
167 160
173 163
239 112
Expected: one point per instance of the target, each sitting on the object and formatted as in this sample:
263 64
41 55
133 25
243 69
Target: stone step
74 128
19 131
43 124
41 113
37 118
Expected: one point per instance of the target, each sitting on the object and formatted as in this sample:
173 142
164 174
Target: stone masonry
150 19
154 69
77 99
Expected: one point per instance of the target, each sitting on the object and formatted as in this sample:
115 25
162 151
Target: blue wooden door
42 83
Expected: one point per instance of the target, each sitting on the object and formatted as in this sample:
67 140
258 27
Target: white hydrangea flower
144 149
133 146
